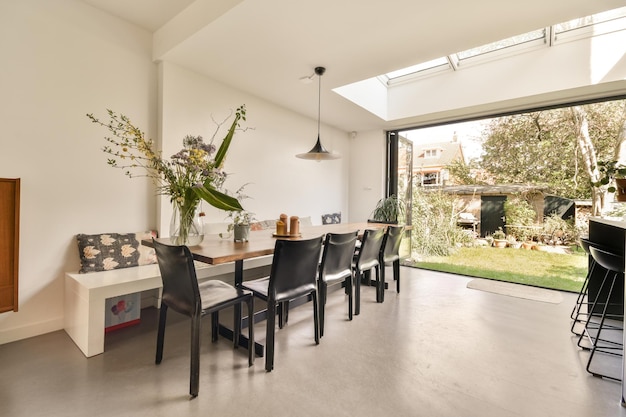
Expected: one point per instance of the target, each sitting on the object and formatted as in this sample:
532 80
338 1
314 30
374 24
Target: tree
556 148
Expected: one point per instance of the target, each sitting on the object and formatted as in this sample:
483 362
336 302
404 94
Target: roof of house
448 152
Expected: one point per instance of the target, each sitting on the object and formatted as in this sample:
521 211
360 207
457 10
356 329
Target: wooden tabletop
215 250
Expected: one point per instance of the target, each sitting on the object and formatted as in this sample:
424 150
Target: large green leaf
221 152
218 199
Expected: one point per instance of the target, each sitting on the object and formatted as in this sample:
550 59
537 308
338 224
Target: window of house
430 153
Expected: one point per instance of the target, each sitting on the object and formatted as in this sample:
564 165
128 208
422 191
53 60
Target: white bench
85 297
86 294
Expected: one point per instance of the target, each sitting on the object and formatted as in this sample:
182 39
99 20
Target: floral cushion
109 251
263 225
331 218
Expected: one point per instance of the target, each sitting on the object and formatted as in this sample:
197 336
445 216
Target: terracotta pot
499 243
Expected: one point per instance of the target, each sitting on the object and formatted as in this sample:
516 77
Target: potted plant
499 238
388 210
240 225
612 171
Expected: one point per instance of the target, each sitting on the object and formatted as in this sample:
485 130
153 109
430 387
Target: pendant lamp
318 152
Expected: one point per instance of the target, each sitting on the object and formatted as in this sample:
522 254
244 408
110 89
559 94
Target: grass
542 269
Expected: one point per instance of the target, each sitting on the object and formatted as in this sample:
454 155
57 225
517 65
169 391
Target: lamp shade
318 152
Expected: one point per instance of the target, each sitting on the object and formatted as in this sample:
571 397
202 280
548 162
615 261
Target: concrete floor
436 349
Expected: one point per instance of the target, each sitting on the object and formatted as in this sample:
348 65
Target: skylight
504 43
609 20
582 56
596 19
439 62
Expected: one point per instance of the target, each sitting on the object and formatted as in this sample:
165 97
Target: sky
468 134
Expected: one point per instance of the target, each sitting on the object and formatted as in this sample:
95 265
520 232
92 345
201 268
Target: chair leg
283 314
349 281
237 325
357 293
316 320
251 353
215 320
269 336
599 339
286 312
590 313
380 283
396 274
322 289
194 378
161 333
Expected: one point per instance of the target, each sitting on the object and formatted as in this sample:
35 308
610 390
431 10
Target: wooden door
9 242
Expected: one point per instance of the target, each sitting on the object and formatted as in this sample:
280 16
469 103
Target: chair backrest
391 244
294 268
369 252
337 255
180 284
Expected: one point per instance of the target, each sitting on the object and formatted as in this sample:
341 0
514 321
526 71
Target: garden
542 253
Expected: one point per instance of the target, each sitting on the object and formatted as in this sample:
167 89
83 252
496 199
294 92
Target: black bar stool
577 315
614 265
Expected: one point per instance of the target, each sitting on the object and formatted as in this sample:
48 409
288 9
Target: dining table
215 250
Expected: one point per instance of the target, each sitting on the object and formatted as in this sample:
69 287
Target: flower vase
186 226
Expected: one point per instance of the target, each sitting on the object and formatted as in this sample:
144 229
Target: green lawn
543 269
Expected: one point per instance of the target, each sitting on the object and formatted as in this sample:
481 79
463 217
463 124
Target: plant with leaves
557 230
520 215
435 231
389 210
194 173
555 148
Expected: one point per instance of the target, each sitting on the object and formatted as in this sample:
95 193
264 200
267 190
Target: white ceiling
265 47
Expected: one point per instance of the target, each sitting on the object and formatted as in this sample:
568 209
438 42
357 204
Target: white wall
64 59
61 60
263 156
367 173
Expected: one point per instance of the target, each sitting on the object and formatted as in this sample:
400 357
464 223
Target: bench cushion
108 251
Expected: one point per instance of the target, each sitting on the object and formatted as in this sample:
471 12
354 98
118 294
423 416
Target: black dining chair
390 255
183 294
336 268
365 261
293 275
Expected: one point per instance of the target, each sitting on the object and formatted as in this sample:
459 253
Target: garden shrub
435 231
519 212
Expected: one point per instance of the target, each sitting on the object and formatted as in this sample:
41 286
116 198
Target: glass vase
186 226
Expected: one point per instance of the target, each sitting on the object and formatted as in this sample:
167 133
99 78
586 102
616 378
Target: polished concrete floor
436 349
